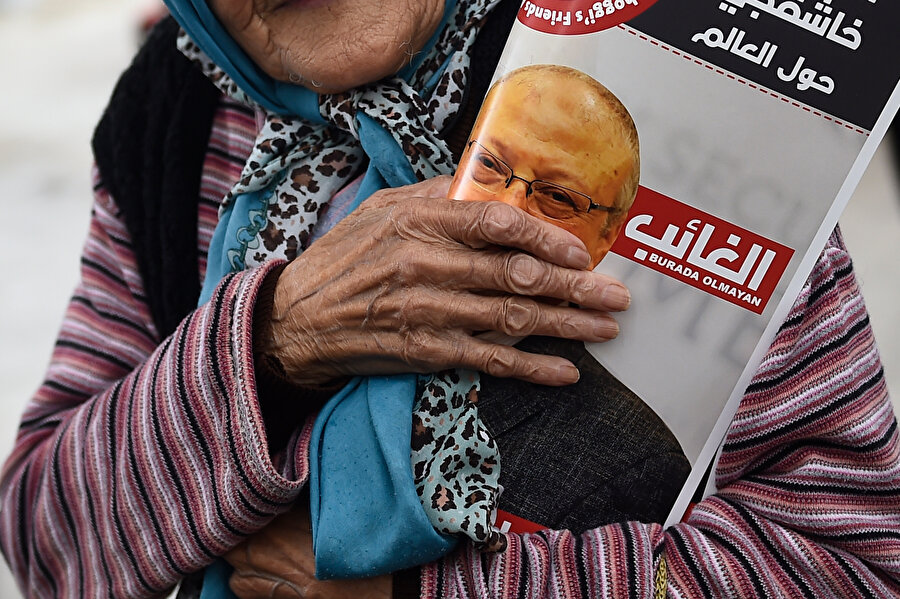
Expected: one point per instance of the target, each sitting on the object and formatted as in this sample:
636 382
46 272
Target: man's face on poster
551 145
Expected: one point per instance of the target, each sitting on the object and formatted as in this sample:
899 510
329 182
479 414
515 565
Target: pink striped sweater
139 459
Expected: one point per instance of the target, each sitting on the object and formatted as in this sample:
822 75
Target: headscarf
311 145
366 502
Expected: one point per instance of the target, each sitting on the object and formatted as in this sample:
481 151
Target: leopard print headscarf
299 163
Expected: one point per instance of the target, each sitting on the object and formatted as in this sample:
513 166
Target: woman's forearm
809 484
136 464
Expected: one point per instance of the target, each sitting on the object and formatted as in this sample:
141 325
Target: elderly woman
167 434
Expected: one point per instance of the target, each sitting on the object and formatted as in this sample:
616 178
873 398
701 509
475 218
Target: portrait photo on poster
556 143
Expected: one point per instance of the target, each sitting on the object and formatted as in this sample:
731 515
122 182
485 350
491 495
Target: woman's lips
305 4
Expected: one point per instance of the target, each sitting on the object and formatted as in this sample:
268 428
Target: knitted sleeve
139 459
809 487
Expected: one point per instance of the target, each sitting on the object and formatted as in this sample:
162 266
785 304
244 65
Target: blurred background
58 63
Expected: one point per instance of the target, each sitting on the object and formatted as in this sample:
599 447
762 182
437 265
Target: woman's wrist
282 402
267 359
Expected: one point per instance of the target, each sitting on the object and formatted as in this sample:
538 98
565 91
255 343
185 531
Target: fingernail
617 297
577 257
606 329
569 374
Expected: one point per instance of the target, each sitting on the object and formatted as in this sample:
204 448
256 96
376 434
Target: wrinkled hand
278 563
401 284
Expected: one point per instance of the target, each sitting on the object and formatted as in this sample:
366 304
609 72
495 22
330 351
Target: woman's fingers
437 187
278 562
448 244
479 224
426 350
256 585
507 272
508 362
512 315
519 273
421 209
520 317
551 261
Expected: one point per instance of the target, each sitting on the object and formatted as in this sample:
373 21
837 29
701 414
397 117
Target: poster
756 120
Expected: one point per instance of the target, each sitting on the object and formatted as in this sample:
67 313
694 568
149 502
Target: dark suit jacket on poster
584 455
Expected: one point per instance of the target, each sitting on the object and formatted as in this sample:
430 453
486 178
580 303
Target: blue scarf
366 513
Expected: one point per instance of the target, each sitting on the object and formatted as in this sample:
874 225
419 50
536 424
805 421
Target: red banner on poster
708 253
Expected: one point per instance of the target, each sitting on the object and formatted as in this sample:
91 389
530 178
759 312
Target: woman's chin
304 4
339 76
309 3
330 46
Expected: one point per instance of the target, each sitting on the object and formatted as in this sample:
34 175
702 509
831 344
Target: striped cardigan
139 459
